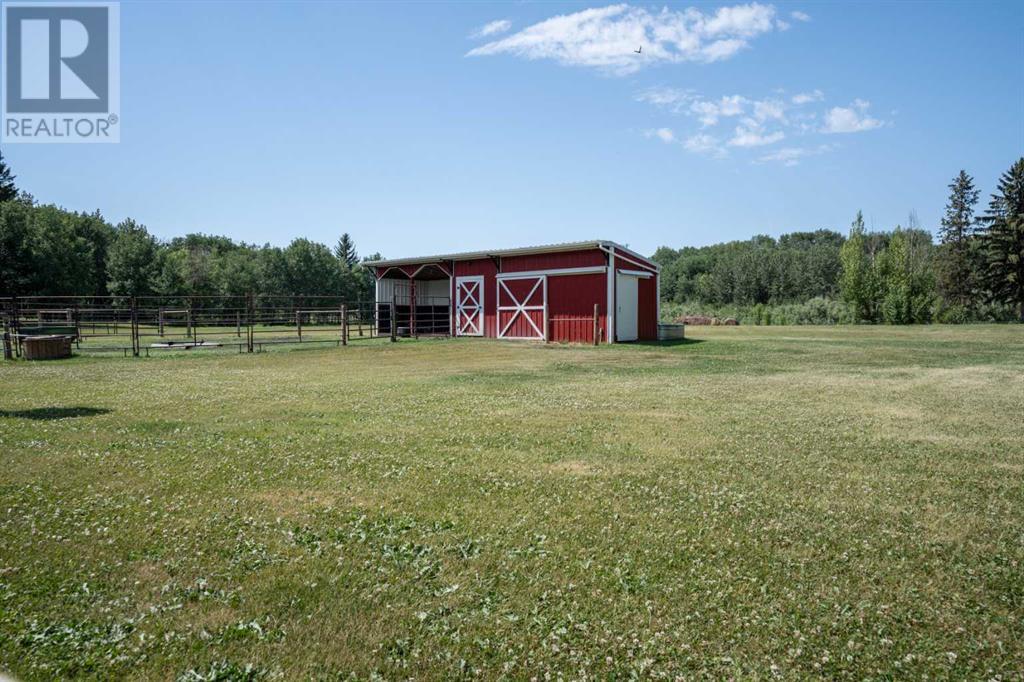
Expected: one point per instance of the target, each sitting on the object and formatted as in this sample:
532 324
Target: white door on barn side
469 306
627 299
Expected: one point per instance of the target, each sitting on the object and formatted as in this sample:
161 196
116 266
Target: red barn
546 293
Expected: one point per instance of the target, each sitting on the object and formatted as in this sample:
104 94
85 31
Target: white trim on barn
558 272
439 266
609 314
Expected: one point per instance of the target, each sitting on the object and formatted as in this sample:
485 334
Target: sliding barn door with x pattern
523 307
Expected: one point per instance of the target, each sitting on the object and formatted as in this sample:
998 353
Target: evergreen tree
345 252
1003 240
8 192
957 265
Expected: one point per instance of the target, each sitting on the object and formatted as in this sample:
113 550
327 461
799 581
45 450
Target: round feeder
49 347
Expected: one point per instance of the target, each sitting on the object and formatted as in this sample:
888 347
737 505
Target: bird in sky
639 49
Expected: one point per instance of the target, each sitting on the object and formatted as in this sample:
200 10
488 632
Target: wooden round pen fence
46 347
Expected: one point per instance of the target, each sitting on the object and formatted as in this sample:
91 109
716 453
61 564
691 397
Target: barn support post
597 326
344 324
413 330
394 329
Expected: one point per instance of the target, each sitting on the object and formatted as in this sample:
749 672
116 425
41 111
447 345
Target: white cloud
492 28
735 121
807 97
709 112
700 143
750 133
607 37
703 143
853 119
791 156
800 16
669 98
768 109
664 134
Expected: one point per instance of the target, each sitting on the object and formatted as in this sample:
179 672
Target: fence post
78 327
249 312
359 315
160 321
344 324
135 329
16 326
597 326
8 355
298 323
238 324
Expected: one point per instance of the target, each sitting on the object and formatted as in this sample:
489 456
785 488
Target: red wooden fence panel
571 329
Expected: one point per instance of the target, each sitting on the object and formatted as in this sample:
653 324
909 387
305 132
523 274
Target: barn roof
523 251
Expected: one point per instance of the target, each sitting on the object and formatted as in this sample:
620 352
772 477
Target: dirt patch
572 467
292 502
151 576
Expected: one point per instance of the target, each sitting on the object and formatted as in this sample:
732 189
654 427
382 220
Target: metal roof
523 251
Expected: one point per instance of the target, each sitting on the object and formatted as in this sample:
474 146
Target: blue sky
401 124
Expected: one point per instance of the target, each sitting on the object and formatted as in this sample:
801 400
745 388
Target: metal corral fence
144 324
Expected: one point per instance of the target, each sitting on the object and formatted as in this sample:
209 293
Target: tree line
48 251
974 273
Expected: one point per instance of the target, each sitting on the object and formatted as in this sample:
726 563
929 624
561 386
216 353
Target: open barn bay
845 502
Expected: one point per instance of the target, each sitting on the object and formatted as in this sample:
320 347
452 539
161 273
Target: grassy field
841 502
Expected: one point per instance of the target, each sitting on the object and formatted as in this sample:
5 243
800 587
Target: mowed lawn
841 502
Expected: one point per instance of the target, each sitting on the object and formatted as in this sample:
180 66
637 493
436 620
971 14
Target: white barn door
469 306
627 297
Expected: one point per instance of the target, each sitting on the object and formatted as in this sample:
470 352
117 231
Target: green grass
837 502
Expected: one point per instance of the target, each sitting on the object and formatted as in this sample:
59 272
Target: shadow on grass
52 413
667 344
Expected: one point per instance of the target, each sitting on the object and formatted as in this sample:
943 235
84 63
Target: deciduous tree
132 261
